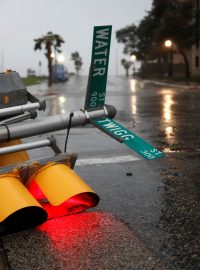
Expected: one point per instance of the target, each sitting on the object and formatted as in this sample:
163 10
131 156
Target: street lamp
52 55
168 44
60 58
133 59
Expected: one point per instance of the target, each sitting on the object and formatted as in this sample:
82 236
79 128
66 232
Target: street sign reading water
96 89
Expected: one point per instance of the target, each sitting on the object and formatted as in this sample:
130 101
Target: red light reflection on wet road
93 240
71 232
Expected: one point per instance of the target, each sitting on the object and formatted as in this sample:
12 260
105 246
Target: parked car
59 73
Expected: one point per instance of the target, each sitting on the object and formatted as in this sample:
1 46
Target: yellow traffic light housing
33 191
18 209
62 187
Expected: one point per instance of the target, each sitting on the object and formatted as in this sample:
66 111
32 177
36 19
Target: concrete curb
4 264
174 84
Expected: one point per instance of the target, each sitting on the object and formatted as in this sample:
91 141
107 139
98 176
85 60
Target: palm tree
126 64
77 61
52 42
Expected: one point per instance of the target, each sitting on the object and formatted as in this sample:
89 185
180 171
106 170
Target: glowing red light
36 191
75 204
69 231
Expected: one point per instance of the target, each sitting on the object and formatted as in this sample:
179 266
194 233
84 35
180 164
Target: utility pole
2 61
168 44
116 62
40 67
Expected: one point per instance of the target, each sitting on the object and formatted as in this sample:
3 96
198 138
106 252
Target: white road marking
106 160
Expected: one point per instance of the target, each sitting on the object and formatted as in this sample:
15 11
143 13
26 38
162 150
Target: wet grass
33 80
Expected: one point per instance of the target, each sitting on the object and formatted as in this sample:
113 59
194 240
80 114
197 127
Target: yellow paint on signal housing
13 157
59 183
14 197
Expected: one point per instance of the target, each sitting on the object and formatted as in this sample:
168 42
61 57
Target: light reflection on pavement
93 240
159 202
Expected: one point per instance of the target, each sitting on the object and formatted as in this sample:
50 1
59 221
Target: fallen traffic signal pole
53 123
34 190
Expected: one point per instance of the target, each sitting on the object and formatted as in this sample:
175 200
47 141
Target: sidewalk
178 84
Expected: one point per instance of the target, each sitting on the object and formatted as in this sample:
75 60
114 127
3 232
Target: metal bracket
54 146
33 99
51 142
105 110
19 118
29 168
108 110
86 114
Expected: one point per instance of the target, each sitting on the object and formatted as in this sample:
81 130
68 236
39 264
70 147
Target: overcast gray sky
23 20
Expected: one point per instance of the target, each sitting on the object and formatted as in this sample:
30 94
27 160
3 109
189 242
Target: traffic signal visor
18 209
62 187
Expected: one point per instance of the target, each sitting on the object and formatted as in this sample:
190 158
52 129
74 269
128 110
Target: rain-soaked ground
149 213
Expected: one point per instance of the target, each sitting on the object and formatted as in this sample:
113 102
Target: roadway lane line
106 160
169 84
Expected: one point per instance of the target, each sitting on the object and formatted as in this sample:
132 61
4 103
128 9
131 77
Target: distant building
194 52
31 72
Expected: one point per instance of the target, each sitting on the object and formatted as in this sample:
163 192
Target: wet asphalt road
148 220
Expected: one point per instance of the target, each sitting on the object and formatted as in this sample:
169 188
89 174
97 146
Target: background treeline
167 20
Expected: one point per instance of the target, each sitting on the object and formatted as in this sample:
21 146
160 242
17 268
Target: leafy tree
147 48
167 19
126 64
177 24
52 42
138 40
128 36
77 61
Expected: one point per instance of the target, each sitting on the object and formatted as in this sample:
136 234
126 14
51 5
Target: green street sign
97 80
96 91
127 137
